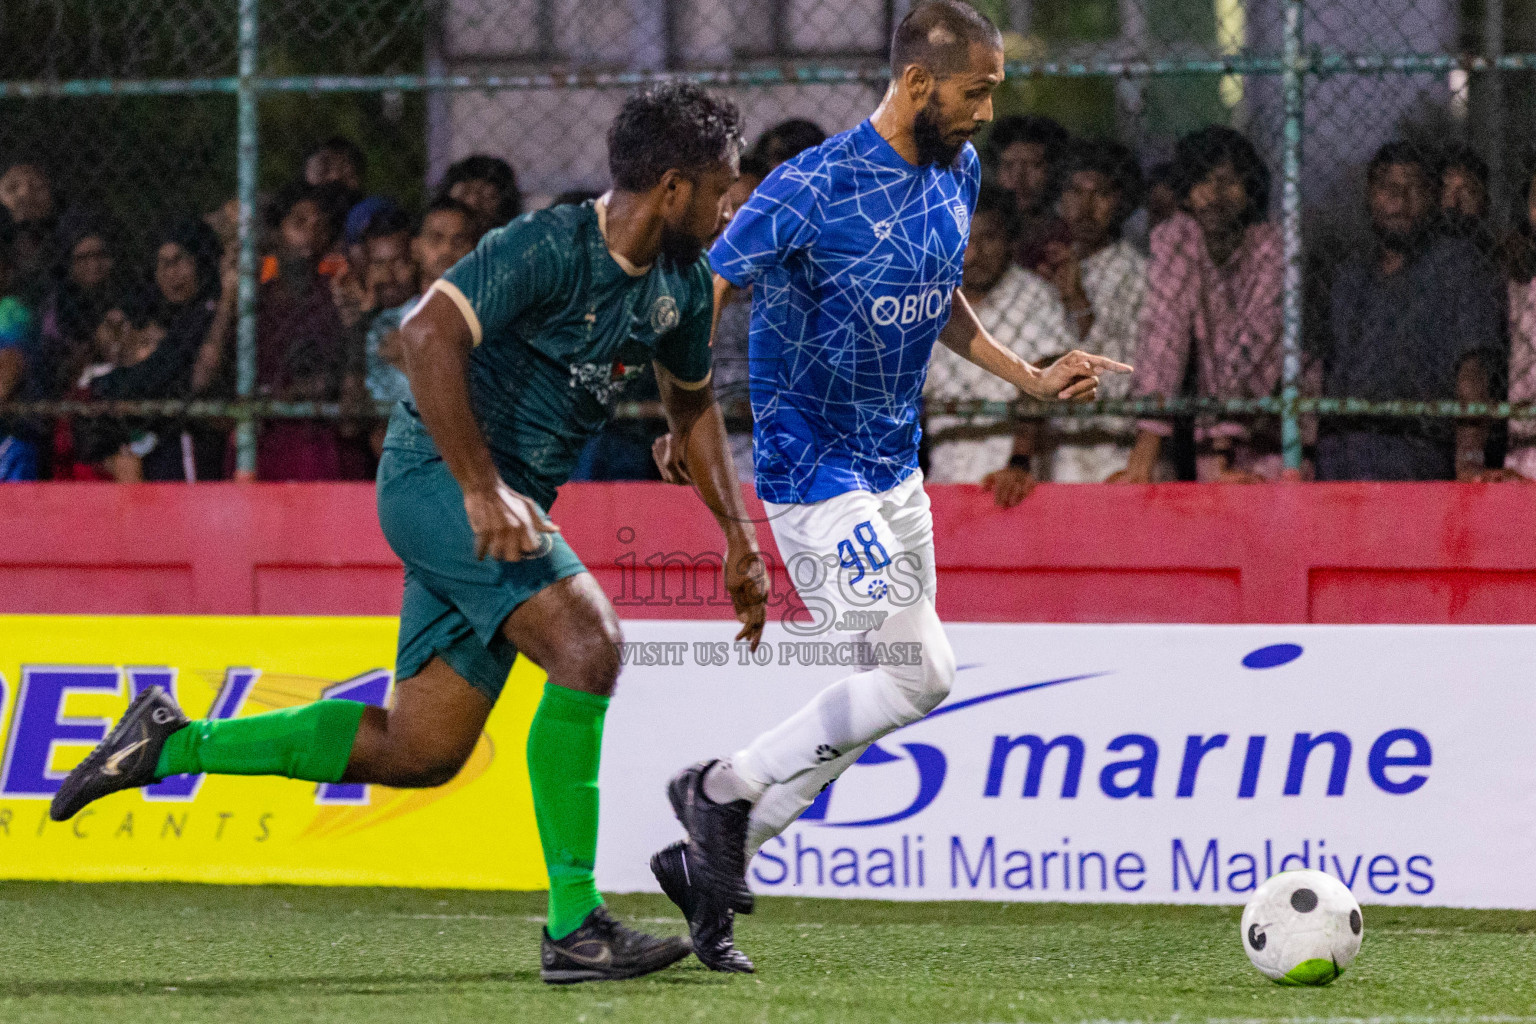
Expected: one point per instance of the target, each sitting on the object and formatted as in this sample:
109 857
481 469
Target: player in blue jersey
513 357
853 251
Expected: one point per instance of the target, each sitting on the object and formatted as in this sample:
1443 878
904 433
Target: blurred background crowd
1132 207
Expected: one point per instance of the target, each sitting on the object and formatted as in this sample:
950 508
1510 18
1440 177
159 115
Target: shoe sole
667 882
677 794
575 976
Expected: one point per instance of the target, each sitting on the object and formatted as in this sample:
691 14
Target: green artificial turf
129 953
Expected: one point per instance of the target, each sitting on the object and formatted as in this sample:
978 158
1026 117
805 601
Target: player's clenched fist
671 459
1074 377
508 526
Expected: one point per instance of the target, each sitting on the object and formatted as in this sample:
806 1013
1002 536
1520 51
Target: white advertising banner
1168 764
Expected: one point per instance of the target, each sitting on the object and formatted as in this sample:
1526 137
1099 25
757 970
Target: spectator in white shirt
979 450
1087 294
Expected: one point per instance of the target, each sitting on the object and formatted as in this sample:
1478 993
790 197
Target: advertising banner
1087 763
1175 764
65 679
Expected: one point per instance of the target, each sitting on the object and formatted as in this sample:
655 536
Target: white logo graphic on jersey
884 228
962 216
603 381
664 314
908 309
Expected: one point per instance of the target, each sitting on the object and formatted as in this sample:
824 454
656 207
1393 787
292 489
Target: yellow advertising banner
65 679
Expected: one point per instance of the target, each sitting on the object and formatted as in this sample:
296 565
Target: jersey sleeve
780 218
684 350
16 323
512 270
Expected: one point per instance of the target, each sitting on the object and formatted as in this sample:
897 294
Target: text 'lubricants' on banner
1120 763
63 680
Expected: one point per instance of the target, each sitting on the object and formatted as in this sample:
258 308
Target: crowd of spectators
1177 268
338 271
1180 271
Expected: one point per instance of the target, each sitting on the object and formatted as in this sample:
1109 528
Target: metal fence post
1493 106
247 157
1292 74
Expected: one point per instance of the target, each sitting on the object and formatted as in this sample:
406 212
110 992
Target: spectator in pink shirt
1213 292
1520 264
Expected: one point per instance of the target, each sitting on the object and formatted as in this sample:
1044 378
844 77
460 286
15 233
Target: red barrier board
1341 553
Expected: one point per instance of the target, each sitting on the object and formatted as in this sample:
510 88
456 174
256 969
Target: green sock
311 742
564 744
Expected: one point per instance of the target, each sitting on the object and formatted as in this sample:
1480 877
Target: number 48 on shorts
874 559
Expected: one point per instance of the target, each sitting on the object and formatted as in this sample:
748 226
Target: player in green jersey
512 358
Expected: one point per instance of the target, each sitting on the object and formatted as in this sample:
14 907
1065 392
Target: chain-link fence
1284 313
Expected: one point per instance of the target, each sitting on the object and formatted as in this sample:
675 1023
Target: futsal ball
1302 928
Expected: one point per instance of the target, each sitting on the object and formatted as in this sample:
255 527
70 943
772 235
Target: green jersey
559 327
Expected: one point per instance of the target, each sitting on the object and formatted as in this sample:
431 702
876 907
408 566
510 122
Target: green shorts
454 603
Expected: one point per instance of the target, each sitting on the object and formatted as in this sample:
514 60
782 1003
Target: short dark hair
785 140
997 200
444 204
753 165
1162 173
482 167
1117 163
1032 129
1464 158
1401 154
332 200
1199 153
676 126
391 220
937 36
348 150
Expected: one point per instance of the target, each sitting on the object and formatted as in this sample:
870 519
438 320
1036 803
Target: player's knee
590 664
938 674
924 663
427 768
410 760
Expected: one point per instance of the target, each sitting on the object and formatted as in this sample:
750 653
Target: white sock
724 784
791 763
781 805
847 715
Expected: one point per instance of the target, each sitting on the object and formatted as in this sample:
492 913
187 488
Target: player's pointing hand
1074 377
508 526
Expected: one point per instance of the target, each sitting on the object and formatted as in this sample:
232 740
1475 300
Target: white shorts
857 557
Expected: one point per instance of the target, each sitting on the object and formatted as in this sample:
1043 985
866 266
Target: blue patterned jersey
853 256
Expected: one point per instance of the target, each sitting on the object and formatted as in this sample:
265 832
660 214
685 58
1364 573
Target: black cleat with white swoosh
711 925
718 833
126 759
602 949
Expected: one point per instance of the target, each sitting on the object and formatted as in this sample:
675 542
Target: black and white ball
1302 928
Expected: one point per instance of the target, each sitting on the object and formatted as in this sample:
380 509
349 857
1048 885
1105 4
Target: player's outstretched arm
696 451
1072 378
436 342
